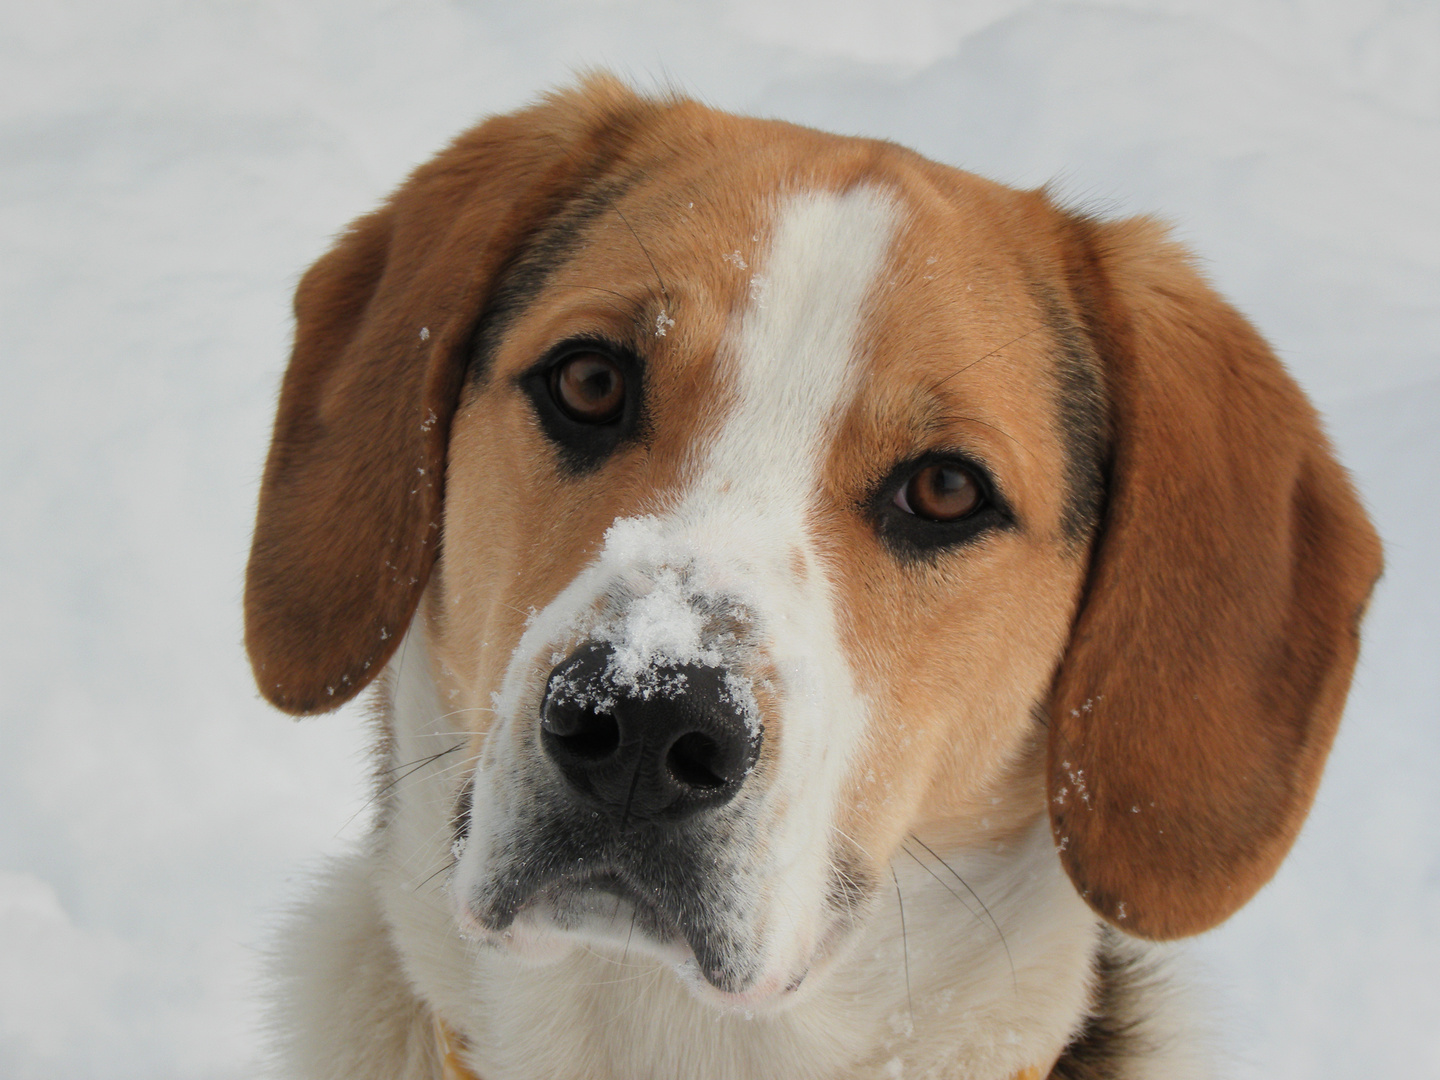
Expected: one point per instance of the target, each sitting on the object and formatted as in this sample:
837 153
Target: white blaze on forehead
796 350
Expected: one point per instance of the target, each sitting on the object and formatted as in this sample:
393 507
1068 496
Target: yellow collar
452 1068
449 1044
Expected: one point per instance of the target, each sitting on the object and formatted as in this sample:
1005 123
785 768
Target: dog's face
790 514
800 495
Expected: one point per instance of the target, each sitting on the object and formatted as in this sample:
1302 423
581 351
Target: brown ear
350 503
1213 649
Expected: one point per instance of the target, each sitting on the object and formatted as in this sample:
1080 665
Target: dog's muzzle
655 749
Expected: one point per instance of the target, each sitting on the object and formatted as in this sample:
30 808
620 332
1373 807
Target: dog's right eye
588 387
588 395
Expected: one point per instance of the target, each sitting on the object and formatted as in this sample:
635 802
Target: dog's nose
659 747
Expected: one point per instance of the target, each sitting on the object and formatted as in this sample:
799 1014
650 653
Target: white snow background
168 169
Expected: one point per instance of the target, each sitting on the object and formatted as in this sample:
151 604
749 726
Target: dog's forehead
671 261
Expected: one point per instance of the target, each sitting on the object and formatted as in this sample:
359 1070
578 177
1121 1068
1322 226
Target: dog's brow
653 268
998 349
545 252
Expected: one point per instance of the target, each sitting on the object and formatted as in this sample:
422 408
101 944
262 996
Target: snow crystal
662 627
664 624
736 260
1077 778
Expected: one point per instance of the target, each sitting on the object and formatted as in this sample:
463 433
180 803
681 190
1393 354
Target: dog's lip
608 882
689 944
580 882
533 919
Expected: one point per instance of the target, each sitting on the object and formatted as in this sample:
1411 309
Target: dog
831 614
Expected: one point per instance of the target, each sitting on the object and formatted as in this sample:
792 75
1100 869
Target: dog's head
772 496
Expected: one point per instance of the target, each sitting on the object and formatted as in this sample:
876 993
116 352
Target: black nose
657 748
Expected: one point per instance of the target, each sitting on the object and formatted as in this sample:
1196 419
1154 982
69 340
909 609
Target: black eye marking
940 500
588 395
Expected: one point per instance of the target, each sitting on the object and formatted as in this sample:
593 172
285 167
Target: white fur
341 1006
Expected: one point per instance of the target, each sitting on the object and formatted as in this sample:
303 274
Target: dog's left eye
941 491
937 502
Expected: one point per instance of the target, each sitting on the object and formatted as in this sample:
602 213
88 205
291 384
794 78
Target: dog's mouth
610 906
596 902
662 909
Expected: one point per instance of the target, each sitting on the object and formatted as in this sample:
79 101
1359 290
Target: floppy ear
1211 655
350 503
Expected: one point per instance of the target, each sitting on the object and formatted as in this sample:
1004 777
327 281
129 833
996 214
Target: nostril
584 734
695 761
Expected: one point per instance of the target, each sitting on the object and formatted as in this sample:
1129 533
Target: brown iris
589 387
940 492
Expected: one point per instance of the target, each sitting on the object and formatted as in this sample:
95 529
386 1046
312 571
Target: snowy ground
168 169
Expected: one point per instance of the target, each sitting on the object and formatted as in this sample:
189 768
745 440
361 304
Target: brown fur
350 504
1208 666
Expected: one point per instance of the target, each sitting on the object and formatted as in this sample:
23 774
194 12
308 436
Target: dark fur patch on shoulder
1111 1039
